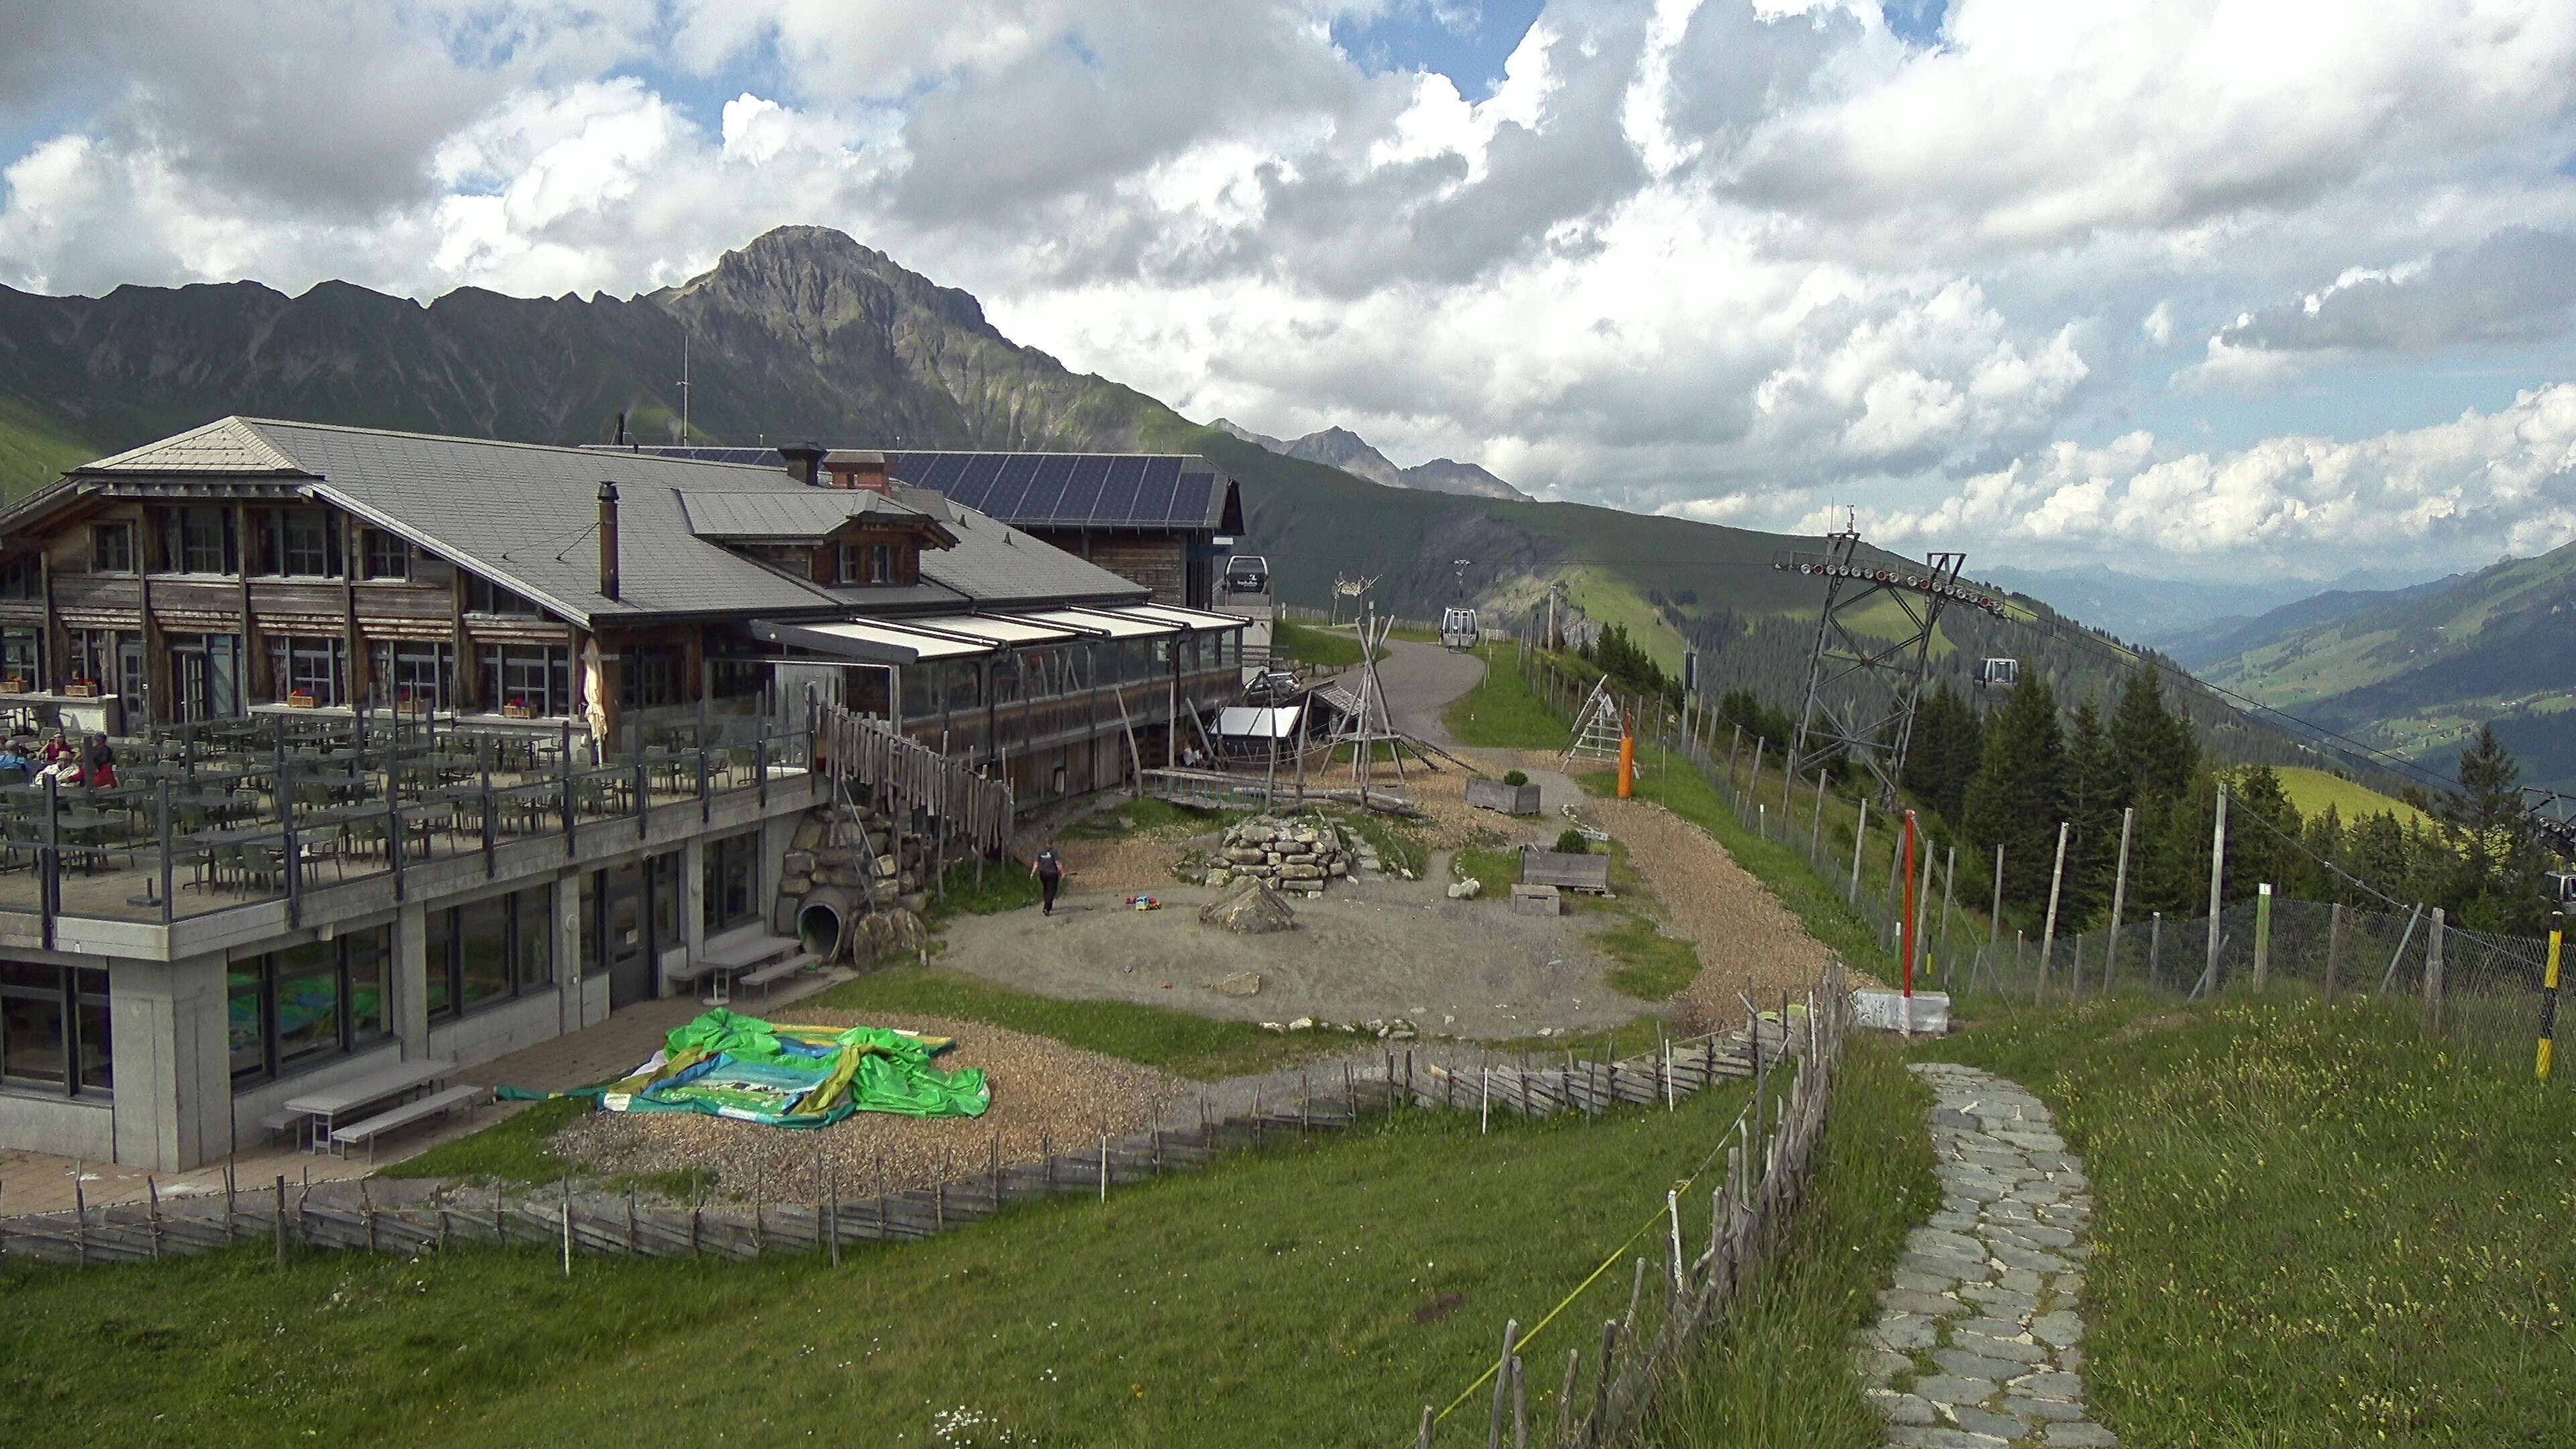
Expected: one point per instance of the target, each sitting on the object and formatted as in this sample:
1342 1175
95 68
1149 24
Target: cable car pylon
1862 689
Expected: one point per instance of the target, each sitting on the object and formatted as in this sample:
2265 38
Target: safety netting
785 1075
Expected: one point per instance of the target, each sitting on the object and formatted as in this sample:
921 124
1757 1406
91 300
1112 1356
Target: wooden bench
403 1116
276 1123
777 971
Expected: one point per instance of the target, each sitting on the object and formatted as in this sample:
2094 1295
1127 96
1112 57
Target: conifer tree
2018 795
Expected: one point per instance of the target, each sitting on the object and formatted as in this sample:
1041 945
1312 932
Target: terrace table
320 1107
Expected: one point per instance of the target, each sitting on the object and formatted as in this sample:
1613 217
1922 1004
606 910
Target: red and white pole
1909 923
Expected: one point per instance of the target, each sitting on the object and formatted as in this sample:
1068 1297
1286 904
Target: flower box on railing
81 689
13 685
300 700
413 707
517 711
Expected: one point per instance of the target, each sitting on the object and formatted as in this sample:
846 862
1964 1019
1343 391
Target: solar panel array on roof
1044 490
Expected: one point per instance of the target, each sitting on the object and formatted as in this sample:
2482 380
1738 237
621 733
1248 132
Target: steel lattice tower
1861 690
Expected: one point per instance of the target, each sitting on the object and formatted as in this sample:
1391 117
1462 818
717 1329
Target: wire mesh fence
2483 992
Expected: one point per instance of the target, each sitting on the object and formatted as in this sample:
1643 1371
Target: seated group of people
93 765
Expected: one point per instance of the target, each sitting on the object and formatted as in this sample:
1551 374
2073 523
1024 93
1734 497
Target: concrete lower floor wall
175 1104
33 1122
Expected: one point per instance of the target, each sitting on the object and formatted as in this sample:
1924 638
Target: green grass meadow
1294 1296
1501 713
2314 1228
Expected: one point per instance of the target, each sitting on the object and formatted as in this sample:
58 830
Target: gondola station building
428 749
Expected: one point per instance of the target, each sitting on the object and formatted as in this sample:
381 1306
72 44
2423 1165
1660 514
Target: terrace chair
328 842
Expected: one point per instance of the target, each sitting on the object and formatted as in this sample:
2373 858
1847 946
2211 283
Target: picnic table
320 1107
731 955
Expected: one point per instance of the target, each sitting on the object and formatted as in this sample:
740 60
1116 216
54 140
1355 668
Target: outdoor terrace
273 818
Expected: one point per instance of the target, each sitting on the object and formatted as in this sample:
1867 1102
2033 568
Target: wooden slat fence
972 809
389 1216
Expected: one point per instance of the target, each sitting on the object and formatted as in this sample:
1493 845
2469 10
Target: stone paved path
1977 1344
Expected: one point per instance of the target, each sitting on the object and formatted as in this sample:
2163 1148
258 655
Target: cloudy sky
2189 286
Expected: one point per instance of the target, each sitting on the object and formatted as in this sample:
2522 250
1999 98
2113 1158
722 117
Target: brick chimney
608 540
859 468
804 461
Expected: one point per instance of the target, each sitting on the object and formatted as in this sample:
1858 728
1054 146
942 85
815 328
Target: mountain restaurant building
429 749
1162 520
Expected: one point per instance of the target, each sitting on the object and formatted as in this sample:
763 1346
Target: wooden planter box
1509 799
80 691
413 707
517 711
13 685
1565 872
300 701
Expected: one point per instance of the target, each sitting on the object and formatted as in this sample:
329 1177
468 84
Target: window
54 1028
1006 679
22 577
869 563
18 656
405 672
917 686
737 678
387 555
97 655
291 1009
482 596
308 666
490 950
535 677
299 543
111 548
198 540
965 684
732 881
652 676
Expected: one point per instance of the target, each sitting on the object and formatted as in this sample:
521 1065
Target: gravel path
1980 1326
1043 1091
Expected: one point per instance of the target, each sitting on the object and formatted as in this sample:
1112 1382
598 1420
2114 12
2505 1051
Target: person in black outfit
1049 869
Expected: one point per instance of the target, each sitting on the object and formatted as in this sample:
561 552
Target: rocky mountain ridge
1339 447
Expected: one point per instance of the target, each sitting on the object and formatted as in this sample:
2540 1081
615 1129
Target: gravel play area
1361 951
1043 1091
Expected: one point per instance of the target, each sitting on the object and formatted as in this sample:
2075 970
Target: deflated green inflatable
795 1076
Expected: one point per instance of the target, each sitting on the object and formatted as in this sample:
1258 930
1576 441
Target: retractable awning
870 643
1186 618
1016 630
1115 625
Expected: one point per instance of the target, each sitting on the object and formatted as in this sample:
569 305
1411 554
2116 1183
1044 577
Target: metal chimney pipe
608 540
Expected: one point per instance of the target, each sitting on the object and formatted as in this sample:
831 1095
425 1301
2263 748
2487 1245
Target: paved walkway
1978 1344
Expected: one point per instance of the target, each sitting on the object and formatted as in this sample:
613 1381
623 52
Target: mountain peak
1339 447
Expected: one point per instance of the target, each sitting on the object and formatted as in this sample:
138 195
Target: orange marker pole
1627 759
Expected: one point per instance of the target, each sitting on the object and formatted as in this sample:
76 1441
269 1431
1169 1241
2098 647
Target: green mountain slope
2420 673
804 333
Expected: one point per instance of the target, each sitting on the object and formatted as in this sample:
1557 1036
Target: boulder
1301 872
798 862
1465 890
1249 908
1245 855
1237 983
1219 877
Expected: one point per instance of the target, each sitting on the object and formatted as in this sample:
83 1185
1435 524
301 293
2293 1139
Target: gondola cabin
1458 628
1998 673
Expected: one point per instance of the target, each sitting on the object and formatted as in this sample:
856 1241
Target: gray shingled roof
528 514
769 515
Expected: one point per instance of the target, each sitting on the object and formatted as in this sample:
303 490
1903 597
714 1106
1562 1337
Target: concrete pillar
567 947
173 1063
693 894
411 979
